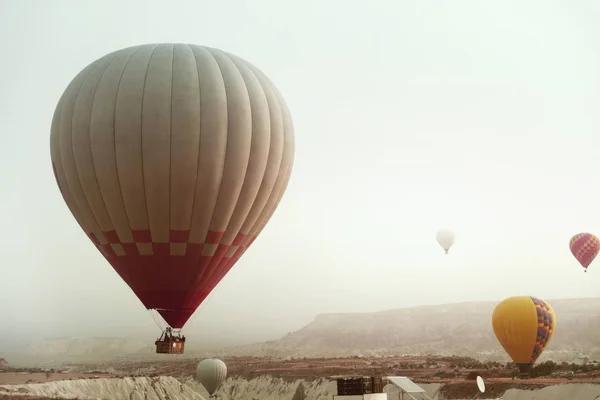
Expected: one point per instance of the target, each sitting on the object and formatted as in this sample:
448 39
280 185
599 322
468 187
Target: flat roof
405 384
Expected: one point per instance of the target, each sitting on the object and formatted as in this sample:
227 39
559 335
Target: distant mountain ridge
78 349
447 329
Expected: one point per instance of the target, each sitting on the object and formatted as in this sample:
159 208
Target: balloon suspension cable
162 325
189 321
157 319
176 331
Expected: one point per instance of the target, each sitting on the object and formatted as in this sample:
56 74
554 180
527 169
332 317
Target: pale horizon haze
410 116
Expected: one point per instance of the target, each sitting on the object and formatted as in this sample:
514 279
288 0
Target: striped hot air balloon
172 158
584 247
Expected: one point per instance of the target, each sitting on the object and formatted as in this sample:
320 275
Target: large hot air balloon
445 238
584 247
211 373
172 158
524 326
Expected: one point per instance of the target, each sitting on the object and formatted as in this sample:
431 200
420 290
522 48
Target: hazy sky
479 116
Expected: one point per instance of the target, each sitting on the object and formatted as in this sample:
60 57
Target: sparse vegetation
457 372
427 368
471 376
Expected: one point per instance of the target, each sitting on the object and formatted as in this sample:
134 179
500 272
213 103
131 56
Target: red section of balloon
177 290
585 248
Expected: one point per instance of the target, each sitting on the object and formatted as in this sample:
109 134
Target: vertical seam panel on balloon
199 138
115 138
113 228
74 91
287 136
194 290
209 50
171 136
538 317
266 213
264 89
197 167
254 230
200 278
199 146
73 150
286 111
142 135
275 205
283 170
286 180
199 275
546 319
206 278
254 71
241 249
134 231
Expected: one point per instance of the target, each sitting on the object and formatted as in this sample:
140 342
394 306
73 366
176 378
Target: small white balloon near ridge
211 373
480 384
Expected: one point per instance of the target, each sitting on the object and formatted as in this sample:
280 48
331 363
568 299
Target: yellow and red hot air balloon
524 326
585 248
172 159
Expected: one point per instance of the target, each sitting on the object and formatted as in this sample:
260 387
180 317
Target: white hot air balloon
211 373
445 238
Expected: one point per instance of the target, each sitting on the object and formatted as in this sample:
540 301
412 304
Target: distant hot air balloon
524 326
172 158
211 373
584 247
445 238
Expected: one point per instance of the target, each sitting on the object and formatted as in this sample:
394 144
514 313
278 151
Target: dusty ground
424 369
20 378
458 380
495 387
468 390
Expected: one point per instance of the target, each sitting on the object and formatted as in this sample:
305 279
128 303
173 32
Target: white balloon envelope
211 373
445 238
